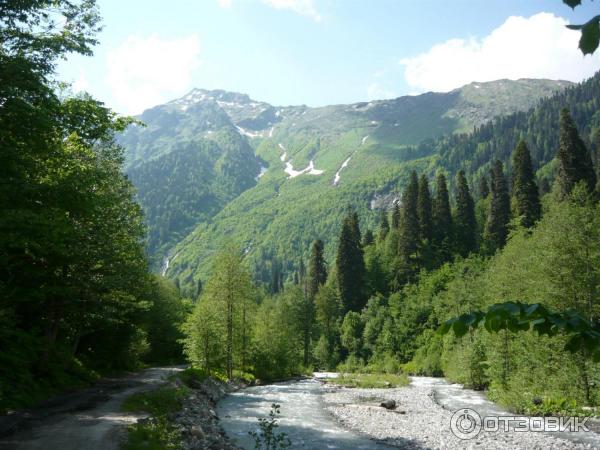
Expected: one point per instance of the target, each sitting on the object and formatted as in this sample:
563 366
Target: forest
377 308
507 212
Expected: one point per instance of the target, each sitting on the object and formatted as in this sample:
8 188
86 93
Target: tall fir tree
496 227
355 226
442 219
368 238
574 160
424 210
350 265
408 244
484 188
317 269
384 225
524 189
465 223
396 216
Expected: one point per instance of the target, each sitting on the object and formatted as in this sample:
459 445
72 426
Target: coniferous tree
574 160
275 277
384 225
317 269
368 238
350 265
465 222
408 243
442 219
198 288
355 227
496 227
524 189
424 210
484 188
396 216
544 186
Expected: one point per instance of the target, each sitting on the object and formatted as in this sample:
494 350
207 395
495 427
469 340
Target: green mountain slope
191 183
318 161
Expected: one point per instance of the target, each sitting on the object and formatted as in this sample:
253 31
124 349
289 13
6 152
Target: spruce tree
574 160
524 189
350 265
368 238
384 225
496 227
408 244
442 219
198 288
396 216
465 222
484 188
424 210
317 269
544 186
355 227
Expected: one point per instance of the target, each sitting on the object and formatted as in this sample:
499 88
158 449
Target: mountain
293 169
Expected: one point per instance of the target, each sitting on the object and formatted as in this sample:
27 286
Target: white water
263 170
303 417
309 426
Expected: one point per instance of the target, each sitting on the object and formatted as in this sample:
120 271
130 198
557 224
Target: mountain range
214 165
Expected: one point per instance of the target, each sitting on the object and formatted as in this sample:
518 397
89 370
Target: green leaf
590 36
572 3
574 344
460 329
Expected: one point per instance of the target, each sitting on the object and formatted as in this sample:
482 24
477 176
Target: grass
159 402
156 433
370 380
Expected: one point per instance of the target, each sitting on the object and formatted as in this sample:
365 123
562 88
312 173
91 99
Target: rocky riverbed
317 415
197 421
420 421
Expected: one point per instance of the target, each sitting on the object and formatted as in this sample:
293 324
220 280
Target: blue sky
320 52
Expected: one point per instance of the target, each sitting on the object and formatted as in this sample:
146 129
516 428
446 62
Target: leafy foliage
268 438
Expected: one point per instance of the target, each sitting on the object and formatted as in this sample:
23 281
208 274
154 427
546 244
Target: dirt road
88 419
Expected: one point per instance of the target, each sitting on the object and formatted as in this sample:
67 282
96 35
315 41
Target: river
307 422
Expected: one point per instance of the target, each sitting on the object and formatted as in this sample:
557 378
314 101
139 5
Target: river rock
388 404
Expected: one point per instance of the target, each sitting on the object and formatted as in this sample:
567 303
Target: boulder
389 404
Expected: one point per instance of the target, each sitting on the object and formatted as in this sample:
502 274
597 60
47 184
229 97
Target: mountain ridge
339 154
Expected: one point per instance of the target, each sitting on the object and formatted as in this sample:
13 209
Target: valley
322 263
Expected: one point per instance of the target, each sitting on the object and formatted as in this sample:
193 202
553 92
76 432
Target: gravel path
419 422
87 419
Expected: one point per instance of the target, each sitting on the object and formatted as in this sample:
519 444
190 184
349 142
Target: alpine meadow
184 266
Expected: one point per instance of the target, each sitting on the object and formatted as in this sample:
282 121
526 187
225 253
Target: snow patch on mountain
293 173
248 133
310 169
364 140
337 177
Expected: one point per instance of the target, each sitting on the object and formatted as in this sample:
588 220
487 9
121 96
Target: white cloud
303 7
536 47
144 72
